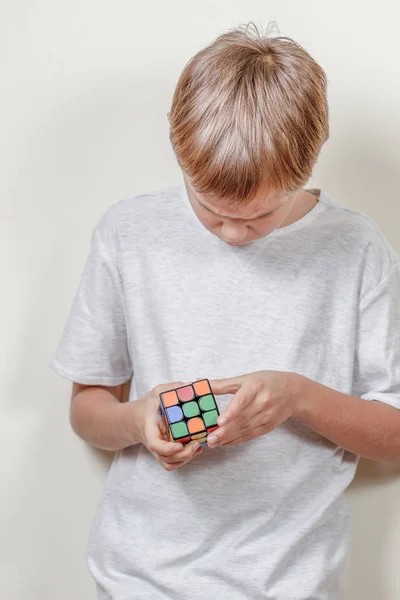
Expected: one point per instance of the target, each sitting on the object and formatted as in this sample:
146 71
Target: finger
185 454
238 427
171 466
162 427
240 404
156 443
257 432
163 447
163 432
226 386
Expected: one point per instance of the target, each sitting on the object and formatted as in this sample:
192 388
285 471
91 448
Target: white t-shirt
163 299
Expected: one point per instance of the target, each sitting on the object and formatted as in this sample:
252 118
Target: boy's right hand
151 431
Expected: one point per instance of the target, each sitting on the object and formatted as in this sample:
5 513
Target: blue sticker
174 414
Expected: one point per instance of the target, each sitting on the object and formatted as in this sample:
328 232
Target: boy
280 296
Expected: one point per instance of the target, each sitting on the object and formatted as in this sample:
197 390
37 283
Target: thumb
228 385
155 436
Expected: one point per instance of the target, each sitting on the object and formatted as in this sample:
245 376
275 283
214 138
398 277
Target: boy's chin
241 243
236 243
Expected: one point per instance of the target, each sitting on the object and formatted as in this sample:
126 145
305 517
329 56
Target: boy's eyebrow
248 219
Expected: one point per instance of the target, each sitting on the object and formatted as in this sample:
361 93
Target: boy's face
266 212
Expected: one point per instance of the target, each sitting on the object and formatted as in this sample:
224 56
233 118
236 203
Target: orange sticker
202 387
195 425
170 398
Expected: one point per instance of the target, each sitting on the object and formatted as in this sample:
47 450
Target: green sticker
210 418
179 430
190 409
207 402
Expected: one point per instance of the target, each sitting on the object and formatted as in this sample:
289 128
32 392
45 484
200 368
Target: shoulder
149 207
377 256
137 215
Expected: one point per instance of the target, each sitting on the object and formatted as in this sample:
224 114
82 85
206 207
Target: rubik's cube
190 412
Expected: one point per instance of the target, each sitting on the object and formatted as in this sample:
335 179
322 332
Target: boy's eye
257 219
265 216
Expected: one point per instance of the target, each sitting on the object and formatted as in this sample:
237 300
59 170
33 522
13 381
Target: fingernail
212 439
221 420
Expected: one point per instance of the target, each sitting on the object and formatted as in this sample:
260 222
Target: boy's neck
306 200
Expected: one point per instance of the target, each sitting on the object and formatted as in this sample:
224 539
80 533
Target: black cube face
190 412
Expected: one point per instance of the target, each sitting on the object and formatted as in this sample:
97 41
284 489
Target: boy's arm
365 427
100 417
263 400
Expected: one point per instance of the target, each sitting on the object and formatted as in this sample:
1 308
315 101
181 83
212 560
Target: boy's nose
232 235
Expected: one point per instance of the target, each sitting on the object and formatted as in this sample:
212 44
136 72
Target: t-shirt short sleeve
377 356
94 346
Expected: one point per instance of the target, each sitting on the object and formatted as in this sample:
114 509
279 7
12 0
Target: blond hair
249 110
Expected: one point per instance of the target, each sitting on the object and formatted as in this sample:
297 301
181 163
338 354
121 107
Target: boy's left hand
262 400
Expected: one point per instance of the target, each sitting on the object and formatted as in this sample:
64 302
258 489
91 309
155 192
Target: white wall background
85 89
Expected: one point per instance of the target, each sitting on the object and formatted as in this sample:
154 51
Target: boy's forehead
264 201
